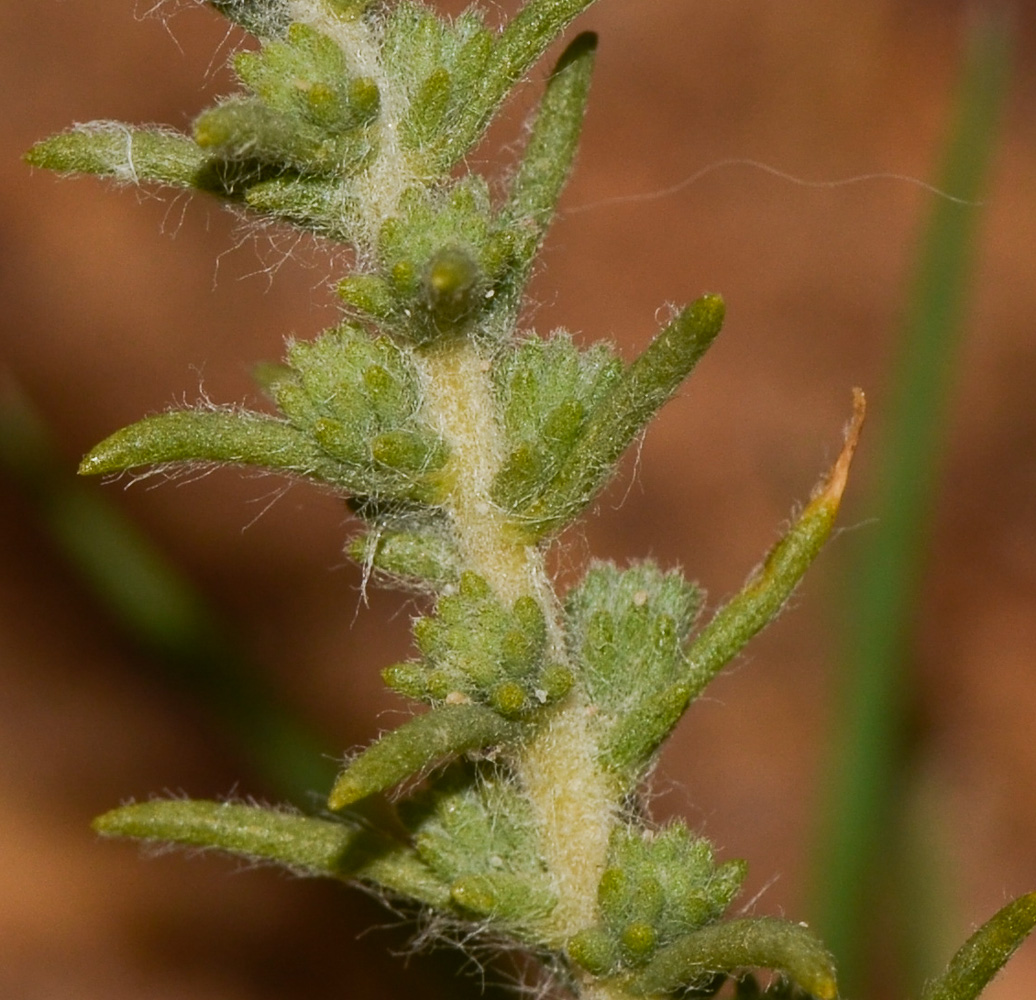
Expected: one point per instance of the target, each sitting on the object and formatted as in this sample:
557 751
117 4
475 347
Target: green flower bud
595 950
638 941
409 679
452 281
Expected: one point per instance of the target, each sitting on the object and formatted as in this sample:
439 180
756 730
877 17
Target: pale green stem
571 795
459 404
575 802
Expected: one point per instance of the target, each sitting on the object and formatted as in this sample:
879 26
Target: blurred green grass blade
152 602
886 579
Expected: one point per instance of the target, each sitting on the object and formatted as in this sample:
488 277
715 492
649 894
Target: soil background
117 303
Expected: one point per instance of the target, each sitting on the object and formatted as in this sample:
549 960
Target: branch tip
831 489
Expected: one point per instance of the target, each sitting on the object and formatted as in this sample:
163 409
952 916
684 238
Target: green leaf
520 44
312 845
429 557
417 744
635 738
321 205
246 130
668 878
553 139
368 294
763 597
540 383
472 819
504 897
263 18
428 106
983 955
759 942
226 436
477 649
648 383
626 631
127 154
303 843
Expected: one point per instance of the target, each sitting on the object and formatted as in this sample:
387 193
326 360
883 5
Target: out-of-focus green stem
886 581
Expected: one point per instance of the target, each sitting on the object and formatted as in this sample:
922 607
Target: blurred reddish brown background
117 304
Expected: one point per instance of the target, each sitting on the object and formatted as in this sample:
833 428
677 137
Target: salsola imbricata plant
465 445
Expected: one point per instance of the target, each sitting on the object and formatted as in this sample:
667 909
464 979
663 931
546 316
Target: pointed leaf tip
831 490
768 589
235 437
643 388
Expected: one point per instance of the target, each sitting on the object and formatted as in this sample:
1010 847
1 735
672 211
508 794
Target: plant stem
459 404
572 796
574 800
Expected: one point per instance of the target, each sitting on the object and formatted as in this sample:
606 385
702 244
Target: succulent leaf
767 590
236 437
643 388
420 743
551 148
302 843
983 955
732 945
127 154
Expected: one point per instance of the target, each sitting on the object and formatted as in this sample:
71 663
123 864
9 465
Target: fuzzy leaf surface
475 831
229 436
523 40
648 383
759 942
126 153
553 139
302 843
418 744
656 889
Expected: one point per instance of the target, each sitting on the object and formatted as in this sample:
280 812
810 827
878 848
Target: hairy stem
568 789
459 404
574 800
